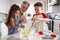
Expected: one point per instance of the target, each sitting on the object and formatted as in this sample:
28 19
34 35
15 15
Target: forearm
42 19
33 20
15 26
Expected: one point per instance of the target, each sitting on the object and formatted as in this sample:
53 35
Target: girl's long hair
12 10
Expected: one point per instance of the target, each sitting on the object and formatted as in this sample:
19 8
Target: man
25 5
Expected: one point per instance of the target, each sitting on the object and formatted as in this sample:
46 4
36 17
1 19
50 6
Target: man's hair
25 2
38 4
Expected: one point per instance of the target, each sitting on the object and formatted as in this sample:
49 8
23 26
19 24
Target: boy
39 18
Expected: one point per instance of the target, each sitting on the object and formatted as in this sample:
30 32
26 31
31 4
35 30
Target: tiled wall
3 16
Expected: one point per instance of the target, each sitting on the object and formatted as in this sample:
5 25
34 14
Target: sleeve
45 15
33 16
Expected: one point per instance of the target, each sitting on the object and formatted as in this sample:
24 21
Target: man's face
24 7
38 9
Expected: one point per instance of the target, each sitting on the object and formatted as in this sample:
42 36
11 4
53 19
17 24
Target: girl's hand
22 26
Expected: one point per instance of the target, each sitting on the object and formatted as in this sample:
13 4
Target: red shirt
43 14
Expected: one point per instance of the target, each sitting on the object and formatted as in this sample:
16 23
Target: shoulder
45 15
11 19
35 15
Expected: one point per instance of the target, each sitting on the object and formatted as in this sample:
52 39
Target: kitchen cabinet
53 6
53 2
4 6
56 27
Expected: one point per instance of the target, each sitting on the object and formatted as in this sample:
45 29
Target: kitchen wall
32 2
56 8
4 6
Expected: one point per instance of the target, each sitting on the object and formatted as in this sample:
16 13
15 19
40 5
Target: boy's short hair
38 4
25 2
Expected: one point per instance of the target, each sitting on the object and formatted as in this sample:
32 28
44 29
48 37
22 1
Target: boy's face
38 9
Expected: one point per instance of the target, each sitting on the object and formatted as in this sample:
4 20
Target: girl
13 20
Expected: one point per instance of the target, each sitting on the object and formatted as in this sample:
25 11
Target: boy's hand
33 20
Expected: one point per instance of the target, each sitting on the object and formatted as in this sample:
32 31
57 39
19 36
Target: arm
34 19
43 19
13 25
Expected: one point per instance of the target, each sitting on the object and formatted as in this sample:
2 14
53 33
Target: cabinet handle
59 26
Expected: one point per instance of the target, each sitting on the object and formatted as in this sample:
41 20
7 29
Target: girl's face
17 12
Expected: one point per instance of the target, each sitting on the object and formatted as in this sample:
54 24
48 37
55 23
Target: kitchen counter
17 37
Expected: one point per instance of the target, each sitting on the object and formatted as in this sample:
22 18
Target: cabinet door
53 1
56 27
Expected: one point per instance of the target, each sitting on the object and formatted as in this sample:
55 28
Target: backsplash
3 16
53 15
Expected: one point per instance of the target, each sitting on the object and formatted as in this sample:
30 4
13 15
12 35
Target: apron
38 25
